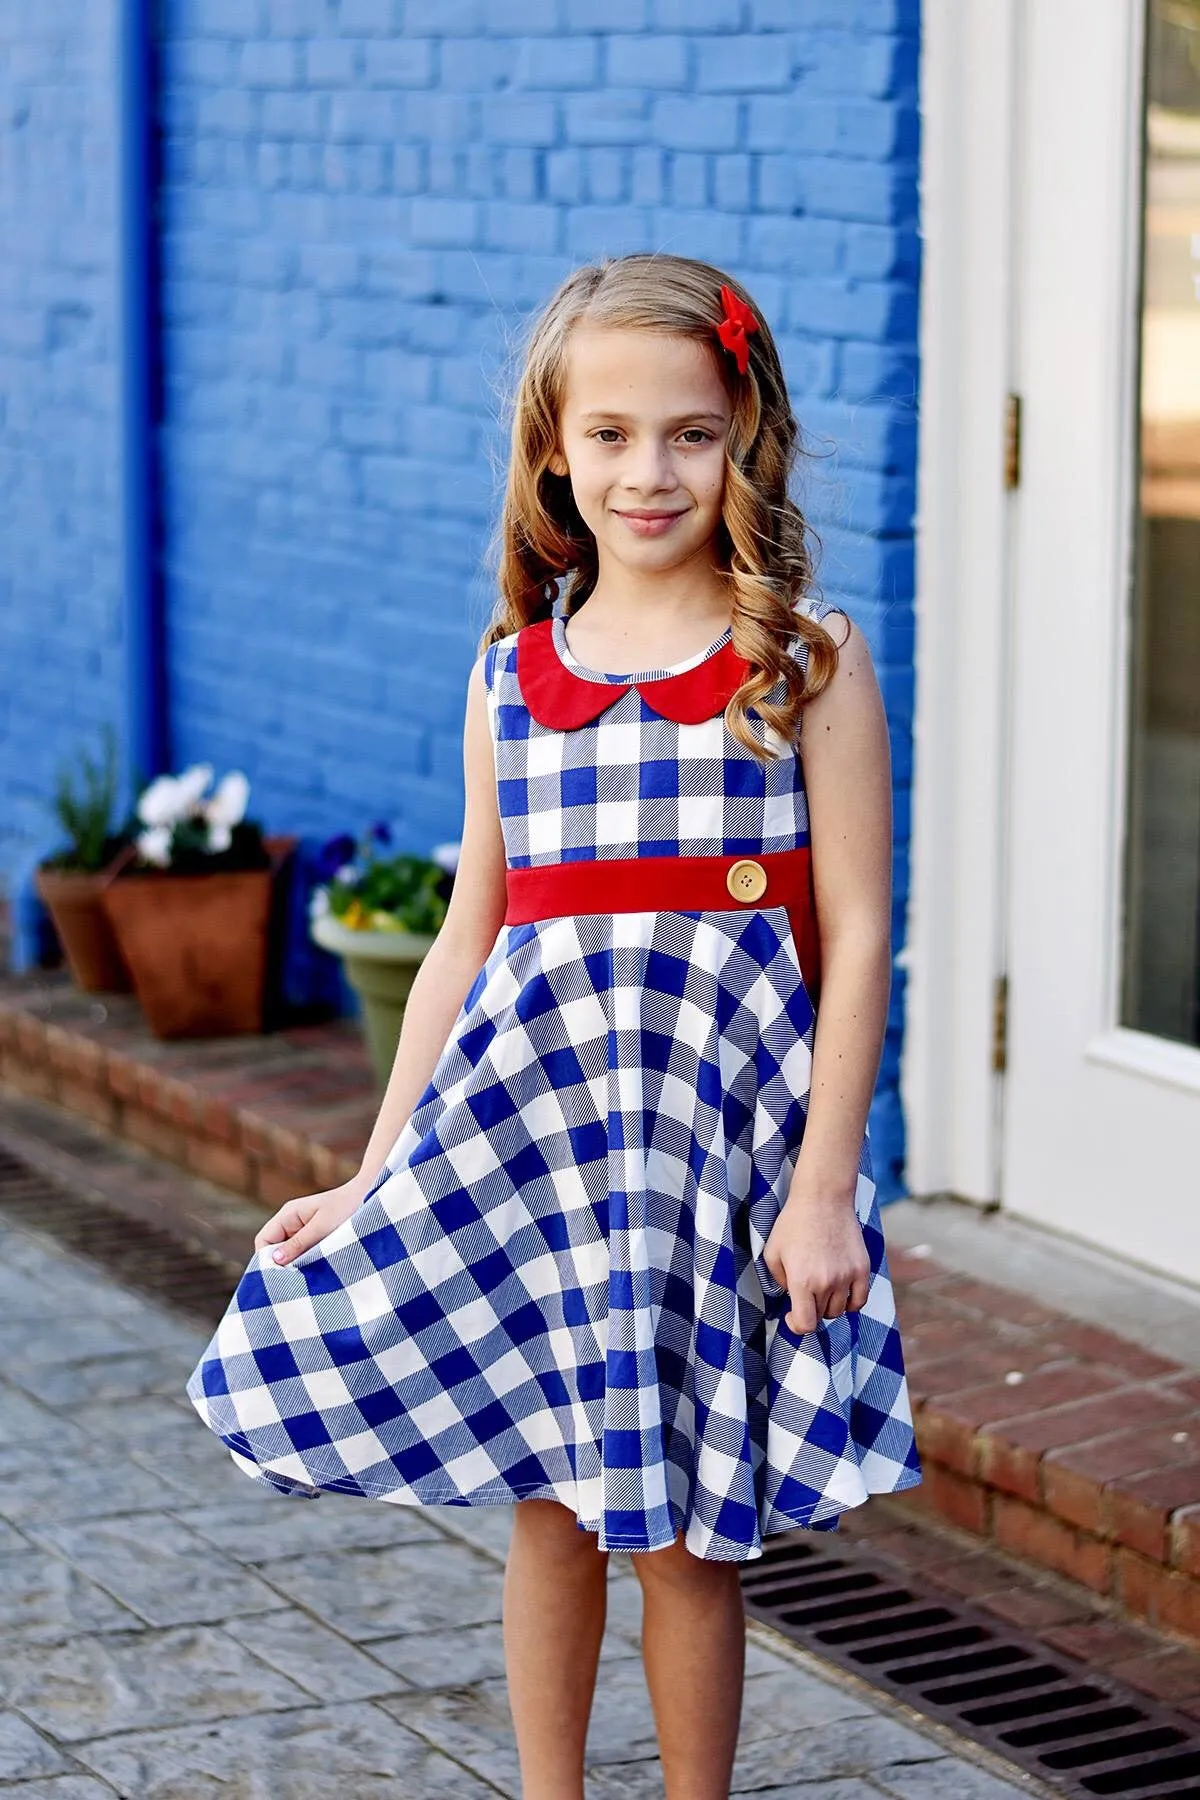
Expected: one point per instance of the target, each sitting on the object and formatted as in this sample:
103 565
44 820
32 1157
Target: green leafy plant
84 798
369 891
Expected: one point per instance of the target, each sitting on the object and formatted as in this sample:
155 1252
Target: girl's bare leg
554 1601
694 1650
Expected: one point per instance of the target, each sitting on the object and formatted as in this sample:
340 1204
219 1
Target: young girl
614 1251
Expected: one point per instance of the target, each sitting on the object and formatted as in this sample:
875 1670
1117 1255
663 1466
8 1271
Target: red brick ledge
1055 1441
265 1117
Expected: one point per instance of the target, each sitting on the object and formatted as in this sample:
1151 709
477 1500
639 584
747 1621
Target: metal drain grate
1082 1733
192 1280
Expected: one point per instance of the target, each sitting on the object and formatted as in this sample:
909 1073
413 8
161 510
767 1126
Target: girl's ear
557 464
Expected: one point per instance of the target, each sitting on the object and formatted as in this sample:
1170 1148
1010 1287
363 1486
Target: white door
1101 1102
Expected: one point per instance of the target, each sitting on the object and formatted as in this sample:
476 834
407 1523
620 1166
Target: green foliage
83 805
394 893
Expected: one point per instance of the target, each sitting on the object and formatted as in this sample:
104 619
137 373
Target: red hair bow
733 329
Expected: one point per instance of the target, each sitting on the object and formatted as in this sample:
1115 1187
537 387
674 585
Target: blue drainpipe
147 724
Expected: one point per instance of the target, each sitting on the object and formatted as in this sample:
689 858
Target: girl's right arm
473 919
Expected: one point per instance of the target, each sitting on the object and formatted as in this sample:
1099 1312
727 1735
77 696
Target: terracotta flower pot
197 945
380 967
75 902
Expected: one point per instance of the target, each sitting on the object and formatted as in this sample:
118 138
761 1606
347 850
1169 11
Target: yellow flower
385 921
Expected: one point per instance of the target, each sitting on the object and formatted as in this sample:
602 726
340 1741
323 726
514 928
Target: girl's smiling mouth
647 523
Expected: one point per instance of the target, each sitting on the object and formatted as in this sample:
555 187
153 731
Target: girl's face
642 435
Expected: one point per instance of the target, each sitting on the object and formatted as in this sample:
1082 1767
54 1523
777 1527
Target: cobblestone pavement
170 1631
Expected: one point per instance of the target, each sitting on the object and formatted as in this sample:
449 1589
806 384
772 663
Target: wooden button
746 880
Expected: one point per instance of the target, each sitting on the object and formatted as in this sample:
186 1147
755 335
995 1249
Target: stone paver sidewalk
1045 1425
170 1631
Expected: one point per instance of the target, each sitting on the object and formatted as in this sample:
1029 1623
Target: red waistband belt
675 884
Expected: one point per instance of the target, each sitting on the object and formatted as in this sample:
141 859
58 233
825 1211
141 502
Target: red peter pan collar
560 699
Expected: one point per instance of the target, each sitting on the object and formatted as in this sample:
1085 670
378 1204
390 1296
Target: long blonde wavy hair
543 548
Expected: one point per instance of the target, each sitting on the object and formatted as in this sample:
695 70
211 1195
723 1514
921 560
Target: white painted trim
1092 1146
955 943
1125 407
1138 1053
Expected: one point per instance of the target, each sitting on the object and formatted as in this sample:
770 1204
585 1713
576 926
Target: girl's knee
676 1566
553 1530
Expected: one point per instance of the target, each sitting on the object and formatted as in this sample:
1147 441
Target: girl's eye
692 434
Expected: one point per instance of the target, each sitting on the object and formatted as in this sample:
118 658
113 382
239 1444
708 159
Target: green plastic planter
380 966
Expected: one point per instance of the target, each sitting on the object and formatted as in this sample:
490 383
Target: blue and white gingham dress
555 1287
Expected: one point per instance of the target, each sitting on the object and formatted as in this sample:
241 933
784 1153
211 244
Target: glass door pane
1161 963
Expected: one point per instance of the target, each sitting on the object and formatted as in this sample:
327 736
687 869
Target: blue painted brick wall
362 201
60 649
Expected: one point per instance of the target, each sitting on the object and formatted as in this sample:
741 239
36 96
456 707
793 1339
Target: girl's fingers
286 1222
301 1240
808 1305
850 1296
802 1312
276 1228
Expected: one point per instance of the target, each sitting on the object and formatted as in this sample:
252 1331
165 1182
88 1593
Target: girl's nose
651 467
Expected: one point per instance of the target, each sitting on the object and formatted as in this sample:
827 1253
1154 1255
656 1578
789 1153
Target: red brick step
1057 1441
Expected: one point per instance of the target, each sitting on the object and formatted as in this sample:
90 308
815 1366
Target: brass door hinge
1012 441
1000 1024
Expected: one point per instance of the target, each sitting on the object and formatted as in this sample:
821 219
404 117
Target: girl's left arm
816 1249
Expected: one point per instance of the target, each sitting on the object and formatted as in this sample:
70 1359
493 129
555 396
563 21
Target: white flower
154 846
445 856
193 785
318 903
347 873
172 798
228 805
160 803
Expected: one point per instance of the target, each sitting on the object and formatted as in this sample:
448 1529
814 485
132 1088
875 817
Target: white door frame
1031 218
955 949
1101 1122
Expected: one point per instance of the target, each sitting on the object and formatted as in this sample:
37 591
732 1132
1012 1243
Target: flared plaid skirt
555 1287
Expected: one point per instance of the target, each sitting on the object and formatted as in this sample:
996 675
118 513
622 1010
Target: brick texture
360 205
1028 1442
60 638
233 1111
1068 1618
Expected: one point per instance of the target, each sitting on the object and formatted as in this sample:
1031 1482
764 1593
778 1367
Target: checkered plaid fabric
633 783
556 1286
